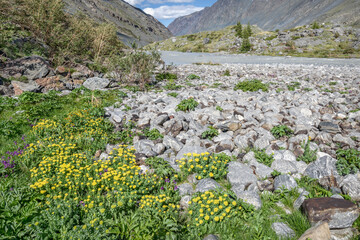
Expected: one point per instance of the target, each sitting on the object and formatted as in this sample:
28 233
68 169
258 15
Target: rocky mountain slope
326 40
132 23
269 15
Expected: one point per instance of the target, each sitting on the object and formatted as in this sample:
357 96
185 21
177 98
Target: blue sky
167 10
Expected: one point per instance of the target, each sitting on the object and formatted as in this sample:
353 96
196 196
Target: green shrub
166 75
193 76
293 85
219 108
251 86
238 30
68 37
315 25
270 38
227 73
308 155
348 161
210 133
173 94
171 85
187 105
263 158
153 134
281 130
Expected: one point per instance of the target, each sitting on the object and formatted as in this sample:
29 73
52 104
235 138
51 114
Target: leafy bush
135 67
348 161
308 155
210 133
263 158
281 130
205 165
68 37
193 76
315 25
166 75
187 105
251 86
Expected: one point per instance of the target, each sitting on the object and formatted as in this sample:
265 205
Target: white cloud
134 2
137 2
170 1
169 12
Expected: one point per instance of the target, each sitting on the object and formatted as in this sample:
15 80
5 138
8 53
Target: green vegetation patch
187 105
281 131
309 155
210 133
263 158
251 86
348 161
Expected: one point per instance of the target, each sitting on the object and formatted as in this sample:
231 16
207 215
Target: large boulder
339 213
320 231
207 184
32 68
20 87
96 83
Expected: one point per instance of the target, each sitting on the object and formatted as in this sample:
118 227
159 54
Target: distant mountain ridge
267 14
132 23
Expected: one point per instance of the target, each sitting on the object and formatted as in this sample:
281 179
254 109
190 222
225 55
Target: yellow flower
234 203
102 210
207 217
190 212
216 219
201 221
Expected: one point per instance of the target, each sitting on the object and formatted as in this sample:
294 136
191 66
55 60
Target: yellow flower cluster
204 164
160 203
212 207
66 172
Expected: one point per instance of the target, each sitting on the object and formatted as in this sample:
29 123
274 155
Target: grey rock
159 148
184 202
323 168
284 181
344 234
160 119
185 189
207 185
329 127
250 197
299 201
284 166
190 149
240 174
351 186
96 83
211 237
172 143
282 230
104 156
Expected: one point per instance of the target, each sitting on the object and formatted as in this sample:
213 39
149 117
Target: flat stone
207 184
284 166
282 230
172 143
324 169
96 83
329 127
339 213
320 231
299 201
20 87
344 234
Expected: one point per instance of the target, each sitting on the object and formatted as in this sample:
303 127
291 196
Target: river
178 58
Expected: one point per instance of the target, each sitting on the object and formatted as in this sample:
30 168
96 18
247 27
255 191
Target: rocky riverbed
320 104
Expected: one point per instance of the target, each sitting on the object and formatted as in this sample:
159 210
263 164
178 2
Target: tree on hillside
238 30
248 29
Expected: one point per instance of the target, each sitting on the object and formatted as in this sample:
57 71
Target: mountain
132 23
267 14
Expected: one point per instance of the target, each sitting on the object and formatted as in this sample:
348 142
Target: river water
178 58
